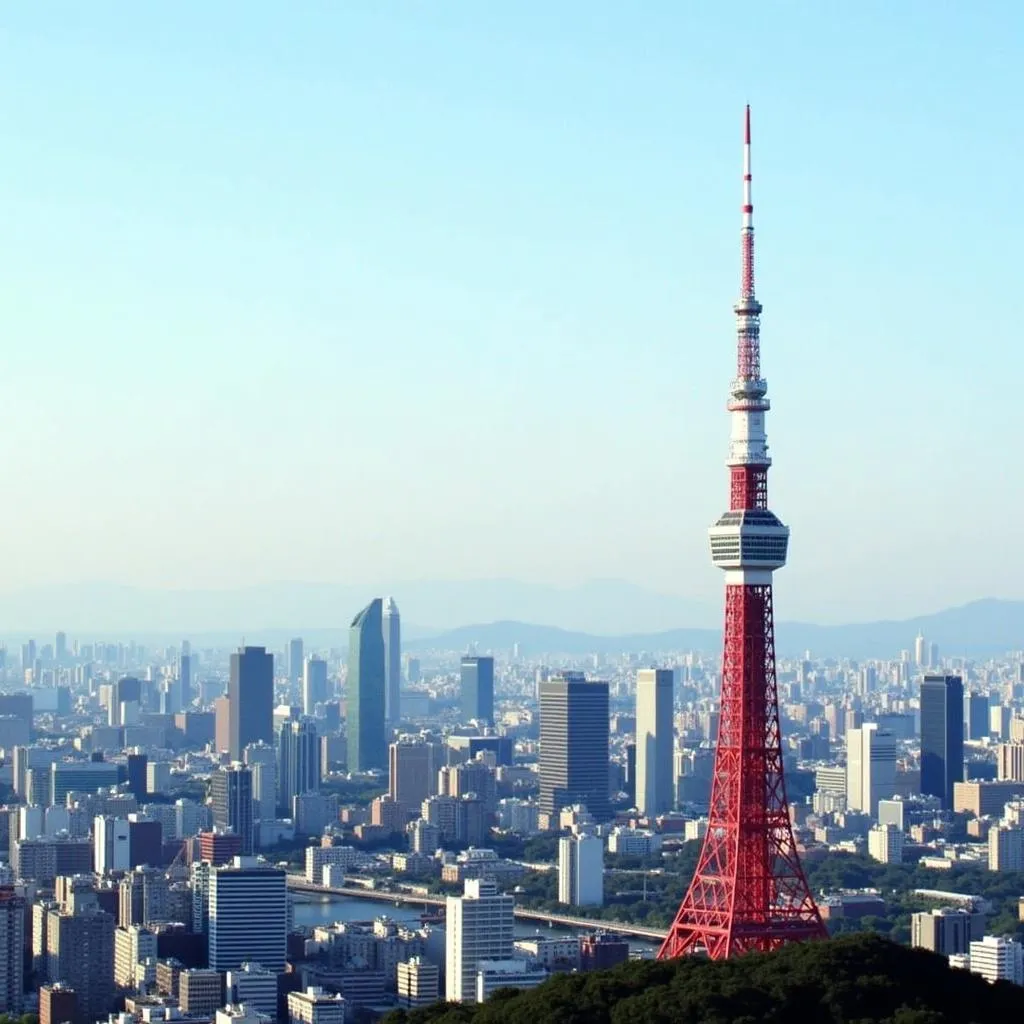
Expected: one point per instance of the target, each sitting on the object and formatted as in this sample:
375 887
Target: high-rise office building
477 685
143 897
231 794
296 656
391 630
298 761
185 677
137 763
942 736
314 684
80 953
248 907
920 652
870 767
12 951
112 844
412 771
262 759
250 699
654 740
367 738
977 716
581 870
479 925
574 745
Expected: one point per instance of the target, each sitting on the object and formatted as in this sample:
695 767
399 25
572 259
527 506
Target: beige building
315 1006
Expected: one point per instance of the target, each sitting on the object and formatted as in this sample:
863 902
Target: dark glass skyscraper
367 738
977 716
250 700
574 745
942 736
478 689
231 795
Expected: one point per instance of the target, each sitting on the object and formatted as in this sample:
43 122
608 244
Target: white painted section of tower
748 577
748 444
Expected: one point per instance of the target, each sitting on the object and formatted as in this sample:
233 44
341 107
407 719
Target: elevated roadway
298 883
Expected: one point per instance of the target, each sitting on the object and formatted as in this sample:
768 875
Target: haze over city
404 436
357 294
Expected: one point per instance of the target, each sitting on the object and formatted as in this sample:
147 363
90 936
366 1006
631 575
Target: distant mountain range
600 616
977 629
279 609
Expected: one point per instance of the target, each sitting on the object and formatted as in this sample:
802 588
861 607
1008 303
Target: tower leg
748 891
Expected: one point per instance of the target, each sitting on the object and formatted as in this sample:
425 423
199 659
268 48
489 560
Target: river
326 910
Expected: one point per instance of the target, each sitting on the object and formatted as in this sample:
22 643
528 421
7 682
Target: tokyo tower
749 891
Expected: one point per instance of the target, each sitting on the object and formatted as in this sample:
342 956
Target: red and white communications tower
749 891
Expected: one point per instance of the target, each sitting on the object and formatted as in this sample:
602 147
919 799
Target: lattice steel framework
749 891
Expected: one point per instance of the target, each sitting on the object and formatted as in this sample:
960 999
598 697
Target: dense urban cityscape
509 822
315 834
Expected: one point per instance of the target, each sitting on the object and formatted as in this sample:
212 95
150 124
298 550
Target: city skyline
533 267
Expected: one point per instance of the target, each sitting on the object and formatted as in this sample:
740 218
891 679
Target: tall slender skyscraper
185 678
298 760
250 699
392 632
295 659
367 735
314 683
574 745
870 767
477 685
942 736
654 740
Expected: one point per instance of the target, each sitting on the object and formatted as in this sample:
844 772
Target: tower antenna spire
747 238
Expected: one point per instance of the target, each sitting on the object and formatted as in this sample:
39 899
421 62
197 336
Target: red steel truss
749 891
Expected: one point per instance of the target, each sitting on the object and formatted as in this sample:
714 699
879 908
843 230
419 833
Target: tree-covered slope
851 980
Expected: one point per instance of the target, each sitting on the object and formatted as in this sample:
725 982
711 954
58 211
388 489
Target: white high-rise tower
654 692
392 662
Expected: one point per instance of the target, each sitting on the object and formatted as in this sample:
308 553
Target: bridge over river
298 883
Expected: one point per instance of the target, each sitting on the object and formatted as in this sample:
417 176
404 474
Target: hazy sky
365 291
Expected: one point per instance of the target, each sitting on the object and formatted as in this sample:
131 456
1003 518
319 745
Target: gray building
231 794
298 761
295 659
942 736
477 689
391 627
250 699
80 953
574 745
367 737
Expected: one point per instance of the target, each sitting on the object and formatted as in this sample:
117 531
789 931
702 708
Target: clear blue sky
368 291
